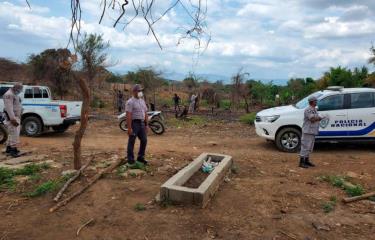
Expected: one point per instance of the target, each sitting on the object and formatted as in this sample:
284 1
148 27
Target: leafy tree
48 67
191 82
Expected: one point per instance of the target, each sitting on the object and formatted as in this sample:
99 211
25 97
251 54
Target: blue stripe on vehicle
39 105
361 132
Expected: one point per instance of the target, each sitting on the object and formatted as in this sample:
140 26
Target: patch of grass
357 190
31 169
49 186
189 122
139 207
234 169
44 188
340 182
248 118
120 170
7 175
330 206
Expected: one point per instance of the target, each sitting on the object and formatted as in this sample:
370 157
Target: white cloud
271 38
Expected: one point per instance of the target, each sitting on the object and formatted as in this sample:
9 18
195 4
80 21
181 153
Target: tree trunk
246 105
84 121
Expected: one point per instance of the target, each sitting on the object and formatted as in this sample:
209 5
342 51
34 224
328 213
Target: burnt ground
268 197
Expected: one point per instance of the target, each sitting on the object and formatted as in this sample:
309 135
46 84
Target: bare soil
268 198
196 180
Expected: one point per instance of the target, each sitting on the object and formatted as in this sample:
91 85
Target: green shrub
139 207
357 190
328 207
248 118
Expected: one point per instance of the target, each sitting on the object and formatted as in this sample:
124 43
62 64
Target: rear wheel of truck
3 134
288 139
60 128
32 126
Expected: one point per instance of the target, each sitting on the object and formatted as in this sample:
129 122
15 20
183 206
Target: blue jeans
139 130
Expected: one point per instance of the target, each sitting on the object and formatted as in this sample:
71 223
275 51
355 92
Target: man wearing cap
136 117
13 112
310 129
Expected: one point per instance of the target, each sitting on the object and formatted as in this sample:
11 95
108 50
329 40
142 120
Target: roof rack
335 88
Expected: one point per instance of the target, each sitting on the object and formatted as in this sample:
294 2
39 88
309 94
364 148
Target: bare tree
240 90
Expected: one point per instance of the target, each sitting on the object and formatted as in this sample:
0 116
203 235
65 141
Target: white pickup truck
41 112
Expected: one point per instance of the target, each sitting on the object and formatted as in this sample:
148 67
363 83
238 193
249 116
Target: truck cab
41 112
349 116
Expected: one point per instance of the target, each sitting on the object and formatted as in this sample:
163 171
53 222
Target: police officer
13 111
136 114
310 129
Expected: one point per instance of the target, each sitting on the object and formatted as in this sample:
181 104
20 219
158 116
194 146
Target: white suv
41 112
349 112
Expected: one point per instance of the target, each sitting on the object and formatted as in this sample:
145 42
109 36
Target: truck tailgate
74 108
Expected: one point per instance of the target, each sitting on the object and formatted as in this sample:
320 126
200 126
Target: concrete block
174 191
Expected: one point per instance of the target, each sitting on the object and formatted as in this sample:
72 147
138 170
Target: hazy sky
271 39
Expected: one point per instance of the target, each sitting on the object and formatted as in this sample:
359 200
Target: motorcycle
155 122
3 130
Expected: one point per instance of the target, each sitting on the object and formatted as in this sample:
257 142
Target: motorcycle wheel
3 134
123 125
157 127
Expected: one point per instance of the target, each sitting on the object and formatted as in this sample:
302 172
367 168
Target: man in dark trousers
310 129
136 117
176 100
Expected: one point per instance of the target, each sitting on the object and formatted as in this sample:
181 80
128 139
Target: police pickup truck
41 112
349 112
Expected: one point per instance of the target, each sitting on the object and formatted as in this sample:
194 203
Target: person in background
176 101
310 129
120 101
13 112
136 117
192 103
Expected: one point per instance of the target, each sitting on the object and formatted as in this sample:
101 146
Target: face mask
17 91
140 94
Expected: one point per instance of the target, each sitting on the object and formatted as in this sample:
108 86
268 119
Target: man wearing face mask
310 129
13 112
136 117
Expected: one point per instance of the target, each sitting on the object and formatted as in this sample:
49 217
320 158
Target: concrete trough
174 191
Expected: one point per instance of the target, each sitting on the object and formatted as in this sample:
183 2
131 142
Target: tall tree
47 67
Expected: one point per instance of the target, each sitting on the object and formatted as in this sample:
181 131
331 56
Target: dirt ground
268 197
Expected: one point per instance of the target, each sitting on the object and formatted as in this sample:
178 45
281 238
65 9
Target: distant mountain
225 79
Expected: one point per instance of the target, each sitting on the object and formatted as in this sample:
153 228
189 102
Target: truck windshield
304 102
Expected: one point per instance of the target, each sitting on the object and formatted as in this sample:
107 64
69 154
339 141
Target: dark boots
13 152
308 163
305 163
302 163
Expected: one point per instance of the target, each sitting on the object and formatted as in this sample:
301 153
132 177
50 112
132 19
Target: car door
334 110
361 115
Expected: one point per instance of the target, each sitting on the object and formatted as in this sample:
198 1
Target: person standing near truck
310 129
13 112
136 117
